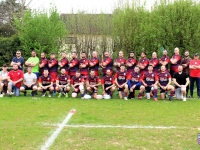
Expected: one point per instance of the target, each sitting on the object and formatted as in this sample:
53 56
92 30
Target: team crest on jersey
47 78
166 75
110 79
152 75
195 63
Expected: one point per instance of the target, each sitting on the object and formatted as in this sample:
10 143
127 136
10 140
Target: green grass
25 123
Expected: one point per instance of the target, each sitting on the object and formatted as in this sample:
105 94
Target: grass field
27 123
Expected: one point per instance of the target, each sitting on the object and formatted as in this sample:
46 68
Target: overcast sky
89 6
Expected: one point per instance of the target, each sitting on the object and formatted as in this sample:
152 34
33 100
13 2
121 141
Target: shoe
170 98
32 94
49 95
1 95
25 93
125 98
184 99
140 97
59 95
9 95
190 96
44 94
66 95
155 99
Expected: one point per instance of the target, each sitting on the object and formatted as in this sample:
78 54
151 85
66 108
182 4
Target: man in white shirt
3 80
29 82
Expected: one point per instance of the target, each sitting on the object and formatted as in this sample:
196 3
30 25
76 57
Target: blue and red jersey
165 58
174 67
93 81
121 61
63 79
75 66
45 80
143 62
150 78
163 78
133 62
108 81
95 62
65 64
54 63
108 61
84 61
75 80
121 77
135 78
155 63
43 61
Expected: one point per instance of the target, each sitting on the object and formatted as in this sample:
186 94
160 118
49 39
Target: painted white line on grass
52 138
117 126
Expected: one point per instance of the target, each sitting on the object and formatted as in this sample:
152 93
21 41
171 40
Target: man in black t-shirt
181 81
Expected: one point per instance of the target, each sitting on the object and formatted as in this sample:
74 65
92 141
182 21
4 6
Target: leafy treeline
166 26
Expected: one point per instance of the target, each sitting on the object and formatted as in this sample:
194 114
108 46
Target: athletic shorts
148 89
178 93
27 88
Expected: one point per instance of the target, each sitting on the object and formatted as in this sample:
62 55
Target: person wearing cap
33 62
3 80
195 74
19 60
185 63
29 82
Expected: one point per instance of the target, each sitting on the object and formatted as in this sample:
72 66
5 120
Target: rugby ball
86 96
106 97
99 97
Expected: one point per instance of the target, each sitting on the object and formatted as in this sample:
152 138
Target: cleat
155 99
9 95
140 97
125 98
44 94
184 99
25 93
1 95
32 94
49 95
59 95
170 98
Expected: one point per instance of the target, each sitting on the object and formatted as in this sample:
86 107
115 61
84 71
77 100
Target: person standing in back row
175 61
185 63
195 74
19 60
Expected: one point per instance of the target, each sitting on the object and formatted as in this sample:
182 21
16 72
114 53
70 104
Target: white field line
52 138
116 126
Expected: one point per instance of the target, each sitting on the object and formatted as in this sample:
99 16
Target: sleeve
155 62
96 61
146 63
37 62
54 62
99 80
40 80
22 60
22 74
13 60
156 77
75 62
82 79
72 81
116 76
108 60
113 80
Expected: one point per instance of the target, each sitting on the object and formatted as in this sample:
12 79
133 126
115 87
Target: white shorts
178 92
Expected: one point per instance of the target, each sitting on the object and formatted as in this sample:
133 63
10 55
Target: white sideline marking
52 138
117 126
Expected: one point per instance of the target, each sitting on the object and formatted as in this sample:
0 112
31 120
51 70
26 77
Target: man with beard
15 78
92 84
181 81
107 63
19 60
46 83
185 63
73 65
135 83
143 63
154 61
84 65
34 63
131 63
175 61
121 82
108 83
43 64
164 60
94 63
64 63
3 80
53 66
63 83
164 81
120 61
195 74
77 83
150 80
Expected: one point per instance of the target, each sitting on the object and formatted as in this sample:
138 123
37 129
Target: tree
42 31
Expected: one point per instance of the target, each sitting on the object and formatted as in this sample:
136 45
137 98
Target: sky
75 6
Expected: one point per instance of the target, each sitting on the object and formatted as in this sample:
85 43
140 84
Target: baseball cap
196 54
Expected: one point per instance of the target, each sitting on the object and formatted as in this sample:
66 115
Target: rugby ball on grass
86 96
106 97
99 96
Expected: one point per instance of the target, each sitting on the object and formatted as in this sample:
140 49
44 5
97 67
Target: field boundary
52 138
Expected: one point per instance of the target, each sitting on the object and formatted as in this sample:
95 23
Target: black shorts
107 91
148 89
48 89
136 88
27 88
162 90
